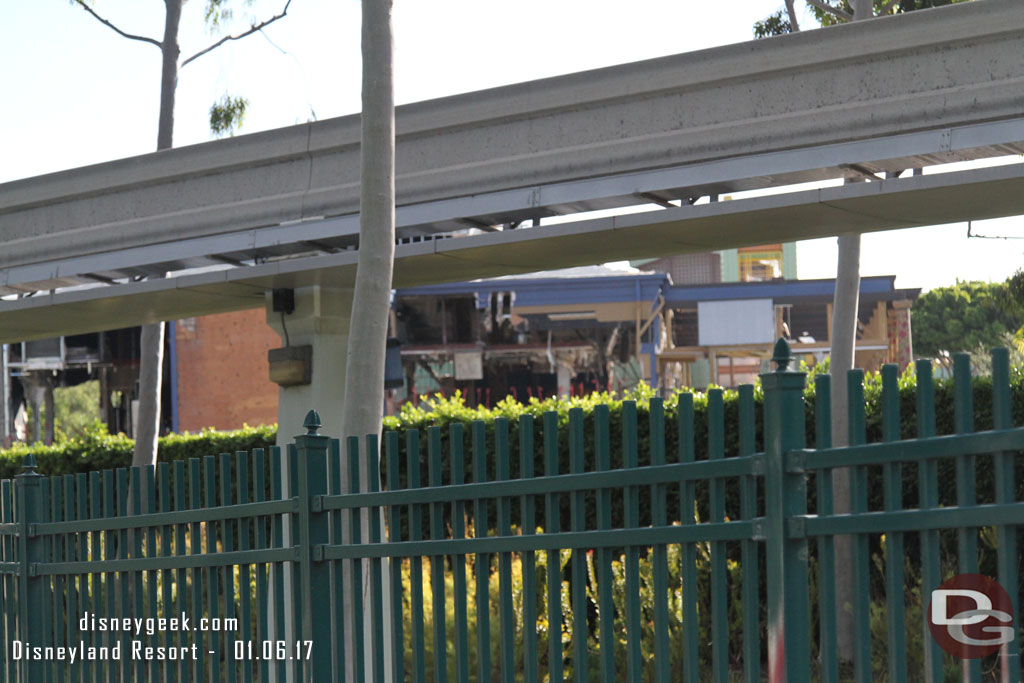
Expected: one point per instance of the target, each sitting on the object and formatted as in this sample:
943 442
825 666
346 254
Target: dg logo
971 616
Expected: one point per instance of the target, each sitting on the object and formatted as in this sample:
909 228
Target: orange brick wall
222 371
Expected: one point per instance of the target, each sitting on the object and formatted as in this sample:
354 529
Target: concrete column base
320 319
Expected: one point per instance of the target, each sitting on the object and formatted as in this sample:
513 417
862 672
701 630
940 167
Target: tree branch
884 9
791 11
144 39
825 7
252 29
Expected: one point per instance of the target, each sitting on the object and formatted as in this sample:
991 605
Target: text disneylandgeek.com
137 648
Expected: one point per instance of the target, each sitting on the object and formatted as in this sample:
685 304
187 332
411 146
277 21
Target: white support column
6 419
320 319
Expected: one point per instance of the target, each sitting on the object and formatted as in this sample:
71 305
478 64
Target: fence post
314 572
789 625
32 602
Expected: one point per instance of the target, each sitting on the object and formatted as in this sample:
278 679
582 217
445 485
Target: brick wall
222 371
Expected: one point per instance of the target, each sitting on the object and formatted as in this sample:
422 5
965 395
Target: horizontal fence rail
697 539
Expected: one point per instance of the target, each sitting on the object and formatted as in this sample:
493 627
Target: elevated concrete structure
279 208
863 207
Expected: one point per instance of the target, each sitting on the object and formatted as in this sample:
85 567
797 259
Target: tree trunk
169 75
841 357
844 333
50 410
862 9
364 368
363 409
794 23
151 344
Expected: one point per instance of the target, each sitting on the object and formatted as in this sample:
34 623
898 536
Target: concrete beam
882 205
932 69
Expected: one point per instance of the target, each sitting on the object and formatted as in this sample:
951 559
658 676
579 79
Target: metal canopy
863 207
498 211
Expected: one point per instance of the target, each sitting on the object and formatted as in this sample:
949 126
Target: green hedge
98 450
447 411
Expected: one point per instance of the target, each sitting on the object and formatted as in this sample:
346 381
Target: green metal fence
492 555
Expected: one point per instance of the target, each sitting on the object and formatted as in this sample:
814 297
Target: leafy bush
95 449
77 409
564 634
445 412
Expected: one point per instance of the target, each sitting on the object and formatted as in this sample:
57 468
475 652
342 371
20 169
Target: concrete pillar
35 396
320 319
51 416
564 379
901 348
789 271
730 265
6 417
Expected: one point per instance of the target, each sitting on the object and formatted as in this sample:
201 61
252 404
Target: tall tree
966 316
363 410
224 116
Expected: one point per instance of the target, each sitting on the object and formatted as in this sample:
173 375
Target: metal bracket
796 527
33 569
318 553
796 462
33 530
757 465
758 531
316 504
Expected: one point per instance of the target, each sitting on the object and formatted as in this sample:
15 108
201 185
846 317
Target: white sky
72 92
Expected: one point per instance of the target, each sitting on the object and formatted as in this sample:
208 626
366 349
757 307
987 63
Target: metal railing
552 549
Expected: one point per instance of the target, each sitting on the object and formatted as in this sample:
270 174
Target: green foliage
77 409
965 316
494 607
227 115
773 25
911 5
829 19
1015 291
564 633
444 412
95 449
778 23
820 368
217 13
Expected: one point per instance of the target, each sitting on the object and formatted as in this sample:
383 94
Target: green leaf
227 115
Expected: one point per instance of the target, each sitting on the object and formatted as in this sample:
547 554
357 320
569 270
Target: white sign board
469 365
725 323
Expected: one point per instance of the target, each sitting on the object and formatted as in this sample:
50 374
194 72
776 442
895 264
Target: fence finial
782 356
29 465
312 423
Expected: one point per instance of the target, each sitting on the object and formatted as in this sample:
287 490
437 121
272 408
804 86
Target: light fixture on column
394 376
289 365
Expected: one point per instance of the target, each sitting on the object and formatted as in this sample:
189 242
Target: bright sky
75 93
